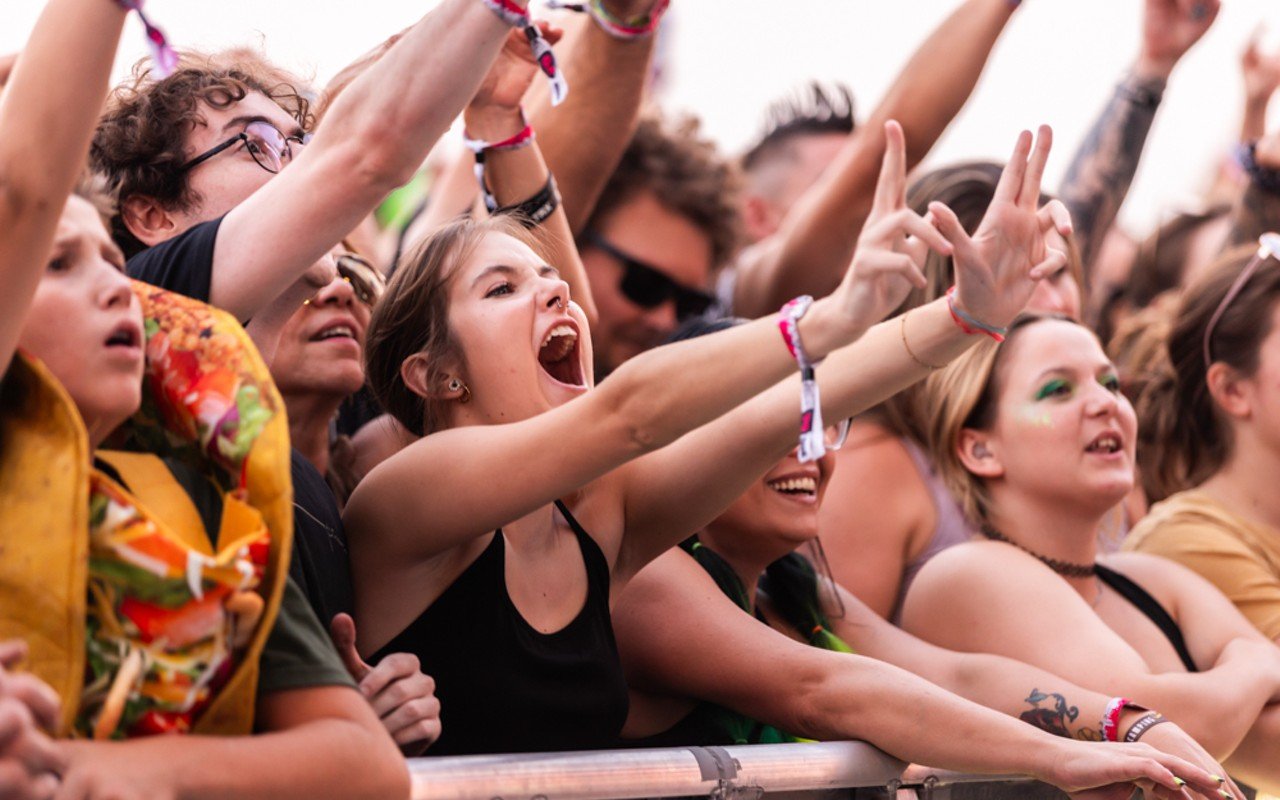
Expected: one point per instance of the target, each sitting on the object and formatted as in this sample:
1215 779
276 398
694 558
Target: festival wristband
1111 717
812 446
1145 723
518 17
478 146
161 53
970 324
635 28
536 209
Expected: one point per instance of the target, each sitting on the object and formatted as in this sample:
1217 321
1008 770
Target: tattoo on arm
1052 713
1103 168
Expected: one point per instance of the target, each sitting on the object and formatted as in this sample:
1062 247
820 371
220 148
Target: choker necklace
1063 568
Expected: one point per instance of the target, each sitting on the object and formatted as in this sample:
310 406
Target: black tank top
1148 605
503 686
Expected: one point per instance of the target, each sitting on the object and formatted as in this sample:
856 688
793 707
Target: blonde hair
964 395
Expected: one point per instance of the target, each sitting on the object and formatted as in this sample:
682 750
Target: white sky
1056 63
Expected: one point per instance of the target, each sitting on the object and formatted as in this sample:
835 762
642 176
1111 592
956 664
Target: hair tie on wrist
812 446
478 146
969 324
518 17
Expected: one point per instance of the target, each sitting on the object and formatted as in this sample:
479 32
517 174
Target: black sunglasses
649 287
269 147
366 282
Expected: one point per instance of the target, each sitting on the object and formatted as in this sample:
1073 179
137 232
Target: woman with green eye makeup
1036 440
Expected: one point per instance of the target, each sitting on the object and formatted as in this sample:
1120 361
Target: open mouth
124 336
339 331
558 356
805 486
1106 444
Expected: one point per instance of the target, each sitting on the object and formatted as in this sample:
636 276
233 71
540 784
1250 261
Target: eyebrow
245 119
1102 366
511 272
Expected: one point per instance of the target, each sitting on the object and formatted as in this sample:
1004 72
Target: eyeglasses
366 282
834 436
1268 247
649 287
264 141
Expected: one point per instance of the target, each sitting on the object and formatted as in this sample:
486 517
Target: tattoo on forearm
1052 713
1103 168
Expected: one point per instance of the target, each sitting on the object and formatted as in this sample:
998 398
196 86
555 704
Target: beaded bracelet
478 146
161 53
812 446
518 17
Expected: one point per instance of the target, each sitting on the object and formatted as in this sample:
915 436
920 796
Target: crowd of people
306 468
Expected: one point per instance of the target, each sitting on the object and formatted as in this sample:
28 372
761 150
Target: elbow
19 200
631 412
383 773
372 161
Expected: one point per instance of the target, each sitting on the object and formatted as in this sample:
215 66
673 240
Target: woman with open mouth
1036 439
470 547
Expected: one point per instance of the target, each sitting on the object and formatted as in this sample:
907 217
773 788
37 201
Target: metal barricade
781 771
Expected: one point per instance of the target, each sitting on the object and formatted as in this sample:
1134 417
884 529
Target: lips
1108 442
127 334
558 354
801 486
340 327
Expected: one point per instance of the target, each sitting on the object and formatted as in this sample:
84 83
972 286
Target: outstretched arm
813 247
373 138
47 113
680 489
1103 168
708 650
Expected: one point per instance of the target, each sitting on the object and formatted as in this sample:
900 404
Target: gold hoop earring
455 385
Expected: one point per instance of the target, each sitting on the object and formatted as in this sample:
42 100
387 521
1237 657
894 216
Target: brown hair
1189 441
963 395
688 176
140 144
412 317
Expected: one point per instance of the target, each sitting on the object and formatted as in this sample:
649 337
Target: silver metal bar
731 772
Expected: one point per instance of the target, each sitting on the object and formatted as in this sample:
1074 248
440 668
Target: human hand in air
891 250
401 695
495 107
1261 70
1169 29
997 268
29 761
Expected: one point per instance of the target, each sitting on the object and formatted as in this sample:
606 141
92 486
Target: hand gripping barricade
142 620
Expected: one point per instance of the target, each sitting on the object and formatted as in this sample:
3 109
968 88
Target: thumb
343 632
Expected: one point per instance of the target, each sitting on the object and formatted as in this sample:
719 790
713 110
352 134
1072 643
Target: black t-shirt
183 264
320 564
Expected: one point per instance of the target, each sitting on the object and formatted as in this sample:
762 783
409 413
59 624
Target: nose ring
559 303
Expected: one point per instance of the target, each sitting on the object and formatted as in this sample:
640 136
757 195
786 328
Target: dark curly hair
688 175
139 146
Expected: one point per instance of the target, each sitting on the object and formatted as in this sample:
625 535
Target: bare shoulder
981 574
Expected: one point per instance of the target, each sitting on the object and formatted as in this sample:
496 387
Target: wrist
1154 68
492 123
827 327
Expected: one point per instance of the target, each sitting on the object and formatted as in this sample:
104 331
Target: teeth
794 485
1107 444
338 330
559 330
558 344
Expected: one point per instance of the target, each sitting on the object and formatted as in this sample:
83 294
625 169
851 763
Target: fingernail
1179 781
1226 794
1217 778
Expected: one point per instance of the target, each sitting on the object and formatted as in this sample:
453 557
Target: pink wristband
1111 719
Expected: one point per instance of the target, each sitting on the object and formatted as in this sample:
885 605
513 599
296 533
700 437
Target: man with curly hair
665 224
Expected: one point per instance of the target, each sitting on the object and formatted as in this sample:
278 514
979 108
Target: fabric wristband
1111 718
636 28
812 446
162 54
536 209
479 147
970 324
1145 723
518 17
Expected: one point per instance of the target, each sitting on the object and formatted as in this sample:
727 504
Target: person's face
1059 293
227 179
85 323
321 347
1063 433
787 177
526 347
646 231
1261 391
782 507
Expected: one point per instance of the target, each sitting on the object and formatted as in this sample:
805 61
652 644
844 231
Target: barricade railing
728 773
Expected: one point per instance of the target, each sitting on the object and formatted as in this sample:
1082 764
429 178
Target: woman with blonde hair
1035 438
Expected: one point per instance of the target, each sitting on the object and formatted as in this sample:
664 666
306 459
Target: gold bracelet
911 352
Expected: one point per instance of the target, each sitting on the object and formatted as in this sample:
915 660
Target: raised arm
515 176
1102 169
680 489
815 242
1258 210
1261 72
372 139
709 650
47 113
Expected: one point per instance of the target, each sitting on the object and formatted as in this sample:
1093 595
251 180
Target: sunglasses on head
649 287
366 282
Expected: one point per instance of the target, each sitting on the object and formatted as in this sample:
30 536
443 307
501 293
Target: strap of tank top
1148 605
591 551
